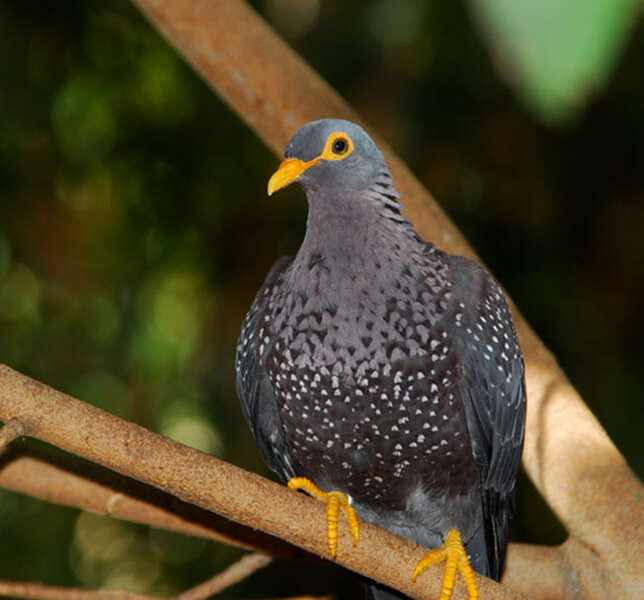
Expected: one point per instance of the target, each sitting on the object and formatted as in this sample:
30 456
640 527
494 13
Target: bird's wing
492 387
253 385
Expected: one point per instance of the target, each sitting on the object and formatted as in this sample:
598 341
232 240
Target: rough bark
215 485
568 455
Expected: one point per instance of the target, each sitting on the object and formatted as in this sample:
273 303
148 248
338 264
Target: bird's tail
483 554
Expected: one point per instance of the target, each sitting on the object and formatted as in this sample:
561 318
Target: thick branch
215 485
71 482
568 455
11 431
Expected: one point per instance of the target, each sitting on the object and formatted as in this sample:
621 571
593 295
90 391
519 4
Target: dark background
135 230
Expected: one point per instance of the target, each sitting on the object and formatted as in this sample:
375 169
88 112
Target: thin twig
245 567
237 572
304 598
39 591
12 430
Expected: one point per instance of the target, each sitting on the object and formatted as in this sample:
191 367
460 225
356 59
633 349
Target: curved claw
334 502
453 553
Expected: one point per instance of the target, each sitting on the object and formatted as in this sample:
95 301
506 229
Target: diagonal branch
568 455
71 482
212 484
11 431
235 573
68 481
40 591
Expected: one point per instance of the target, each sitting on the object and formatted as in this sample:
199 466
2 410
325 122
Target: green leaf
555 53
84 120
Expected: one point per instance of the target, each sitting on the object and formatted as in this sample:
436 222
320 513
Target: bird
381 374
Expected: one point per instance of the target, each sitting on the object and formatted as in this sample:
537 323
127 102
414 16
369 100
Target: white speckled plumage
375 364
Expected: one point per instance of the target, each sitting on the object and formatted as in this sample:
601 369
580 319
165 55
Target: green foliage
556 54
84 120
135 230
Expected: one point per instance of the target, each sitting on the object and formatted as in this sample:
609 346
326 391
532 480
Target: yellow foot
453 552
334 501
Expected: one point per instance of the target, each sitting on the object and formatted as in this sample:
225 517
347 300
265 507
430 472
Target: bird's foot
335 501
453 553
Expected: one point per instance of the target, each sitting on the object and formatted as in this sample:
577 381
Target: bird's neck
348 242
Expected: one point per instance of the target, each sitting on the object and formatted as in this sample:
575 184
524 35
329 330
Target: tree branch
568 455
235 573
205 481
71 482
12 430
40 591
68 481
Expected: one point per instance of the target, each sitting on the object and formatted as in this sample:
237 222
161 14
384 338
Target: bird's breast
368 402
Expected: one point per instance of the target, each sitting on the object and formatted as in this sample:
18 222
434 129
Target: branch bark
11 430
568 455
40 591
205 481
71 482
235 573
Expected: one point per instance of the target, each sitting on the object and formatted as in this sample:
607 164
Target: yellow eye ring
338 146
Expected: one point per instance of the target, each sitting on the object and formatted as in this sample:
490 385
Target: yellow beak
288 171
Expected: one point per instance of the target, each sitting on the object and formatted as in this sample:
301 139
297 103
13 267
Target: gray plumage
377 365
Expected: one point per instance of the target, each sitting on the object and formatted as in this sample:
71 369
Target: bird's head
330 154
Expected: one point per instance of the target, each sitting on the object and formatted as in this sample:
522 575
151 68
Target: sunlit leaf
19 294
556 54
84 120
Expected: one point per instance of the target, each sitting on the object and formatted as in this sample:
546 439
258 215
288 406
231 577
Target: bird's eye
340 146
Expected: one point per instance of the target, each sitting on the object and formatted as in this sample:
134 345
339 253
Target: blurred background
135 228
